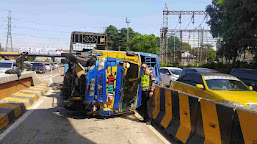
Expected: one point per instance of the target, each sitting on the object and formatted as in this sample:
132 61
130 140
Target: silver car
169 74
6 65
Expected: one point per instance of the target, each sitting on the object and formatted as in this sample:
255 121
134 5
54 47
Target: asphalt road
48 122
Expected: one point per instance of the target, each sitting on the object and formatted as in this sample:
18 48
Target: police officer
147 86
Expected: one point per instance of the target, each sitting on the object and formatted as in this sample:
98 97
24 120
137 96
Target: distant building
187 58
246 57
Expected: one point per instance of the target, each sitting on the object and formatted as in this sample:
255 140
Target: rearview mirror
126 65
250 87
200 86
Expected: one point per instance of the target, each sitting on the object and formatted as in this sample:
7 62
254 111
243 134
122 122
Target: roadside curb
12 107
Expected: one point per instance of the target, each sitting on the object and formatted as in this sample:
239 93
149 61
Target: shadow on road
161 130
47 126
60 126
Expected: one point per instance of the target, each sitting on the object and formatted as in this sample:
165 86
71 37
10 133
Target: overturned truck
102 82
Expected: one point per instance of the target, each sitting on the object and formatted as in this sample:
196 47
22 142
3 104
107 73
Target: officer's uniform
147 85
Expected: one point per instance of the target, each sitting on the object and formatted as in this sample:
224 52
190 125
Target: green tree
144 43
117 39
235 22
171 43
211 53
112 36
186 46
122 39
32 59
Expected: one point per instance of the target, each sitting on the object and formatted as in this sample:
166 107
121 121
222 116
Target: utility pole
165 31
127 21
9 45
202 56
174 49
198 46
180 50
163 54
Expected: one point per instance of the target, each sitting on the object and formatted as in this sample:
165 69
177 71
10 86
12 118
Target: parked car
6 65
248 76
27 66
218 87
53 66
56 65
193 69
48 66
38 67
169 74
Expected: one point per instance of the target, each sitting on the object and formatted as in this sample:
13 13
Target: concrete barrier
193 120
15 105
10 83
18 94
5 78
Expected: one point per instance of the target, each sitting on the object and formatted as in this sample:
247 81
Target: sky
49 23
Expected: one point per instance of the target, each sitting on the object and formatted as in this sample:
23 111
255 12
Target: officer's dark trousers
145 107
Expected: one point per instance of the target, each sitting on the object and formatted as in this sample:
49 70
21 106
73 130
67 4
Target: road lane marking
51 80
22 118
44 77
25 115
50 77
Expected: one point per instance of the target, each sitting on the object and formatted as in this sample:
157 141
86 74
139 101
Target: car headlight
101 65
233 104
252 106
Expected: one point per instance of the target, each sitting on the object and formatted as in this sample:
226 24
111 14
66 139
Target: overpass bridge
16 54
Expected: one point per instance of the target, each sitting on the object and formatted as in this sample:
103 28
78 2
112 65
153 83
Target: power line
9 44
127 21
202 22
166 12
166 32
189 23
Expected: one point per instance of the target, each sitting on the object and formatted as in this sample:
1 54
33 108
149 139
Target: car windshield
5 65
176 72
37 64
226 85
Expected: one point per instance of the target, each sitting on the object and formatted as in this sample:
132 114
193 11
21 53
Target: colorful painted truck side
105 82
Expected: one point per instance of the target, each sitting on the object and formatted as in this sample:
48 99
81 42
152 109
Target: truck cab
100 81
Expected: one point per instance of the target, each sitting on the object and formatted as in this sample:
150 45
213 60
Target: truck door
129 87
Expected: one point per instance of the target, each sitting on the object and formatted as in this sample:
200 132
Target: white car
48 66
6 65
56 65
169 74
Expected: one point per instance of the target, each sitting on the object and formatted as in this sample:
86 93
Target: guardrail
194 120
